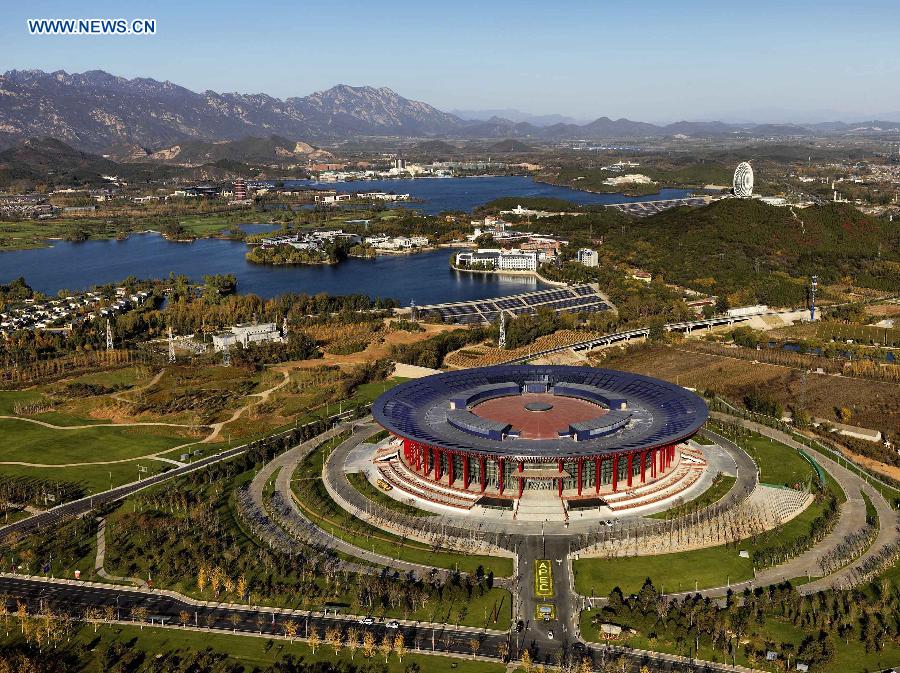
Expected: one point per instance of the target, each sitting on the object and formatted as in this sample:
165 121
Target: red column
643 466
653 462
451 468
630 458
521 481
436 464
466 471
483 467
661 454
597 462
559 481
500 474
580 463
615 474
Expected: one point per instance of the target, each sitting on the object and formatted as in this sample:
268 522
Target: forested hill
757 252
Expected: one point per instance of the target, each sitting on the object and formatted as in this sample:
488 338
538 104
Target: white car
367 621
550 634
393 624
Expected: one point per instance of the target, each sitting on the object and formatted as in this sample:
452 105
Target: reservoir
425 278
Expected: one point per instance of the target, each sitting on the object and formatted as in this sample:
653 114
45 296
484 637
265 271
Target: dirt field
874 404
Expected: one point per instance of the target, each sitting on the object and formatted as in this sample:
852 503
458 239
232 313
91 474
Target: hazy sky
651 60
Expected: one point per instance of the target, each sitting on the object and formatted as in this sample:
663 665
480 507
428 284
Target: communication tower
813 284
412 309
171 347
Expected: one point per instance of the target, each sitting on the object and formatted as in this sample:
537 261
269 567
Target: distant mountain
54 163
514 116
510 145
95 110
267 151
134 118
39 158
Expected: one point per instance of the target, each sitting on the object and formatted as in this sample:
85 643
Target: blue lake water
425 278
441 194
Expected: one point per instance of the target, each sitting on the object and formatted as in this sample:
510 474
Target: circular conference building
502 432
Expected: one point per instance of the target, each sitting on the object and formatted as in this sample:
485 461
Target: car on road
367 621
608 523
383 485
550 634
519 626
393 624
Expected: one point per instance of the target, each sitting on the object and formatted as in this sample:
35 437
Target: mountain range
97 111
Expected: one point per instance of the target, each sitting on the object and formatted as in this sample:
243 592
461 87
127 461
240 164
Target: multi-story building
240 189
588 257
247 334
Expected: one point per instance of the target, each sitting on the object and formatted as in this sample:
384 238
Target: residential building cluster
385 242
313 240
63 312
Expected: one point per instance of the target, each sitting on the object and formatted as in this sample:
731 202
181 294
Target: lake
425 278
440 194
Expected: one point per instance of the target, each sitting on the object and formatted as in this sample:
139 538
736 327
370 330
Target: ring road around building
496 433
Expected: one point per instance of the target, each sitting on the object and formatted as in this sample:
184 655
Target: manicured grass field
778 464
247 651
848 657
32 443
717 490
318 507
361 484
681 571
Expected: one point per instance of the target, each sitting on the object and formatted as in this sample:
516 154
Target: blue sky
647 59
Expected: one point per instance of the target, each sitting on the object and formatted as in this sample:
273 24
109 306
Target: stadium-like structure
500 431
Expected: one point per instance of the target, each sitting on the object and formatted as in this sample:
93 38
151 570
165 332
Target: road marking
543 578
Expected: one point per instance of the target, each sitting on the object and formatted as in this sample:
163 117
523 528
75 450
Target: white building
742 311
588 257
629 179
247 334
743 180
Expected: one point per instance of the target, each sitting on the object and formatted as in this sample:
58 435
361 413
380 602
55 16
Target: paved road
852 519
164 609
55 515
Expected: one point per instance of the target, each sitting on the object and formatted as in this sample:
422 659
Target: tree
352 640
368 644
234 618
290 630
93 616
139 613
241 587
526 661
400 646
474 644
387 646
503 650
313 639
333 638
184 617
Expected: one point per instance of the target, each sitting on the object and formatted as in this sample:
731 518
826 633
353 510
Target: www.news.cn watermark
92 26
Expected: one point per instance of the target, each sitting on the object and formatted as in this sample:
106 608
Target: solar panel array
573 299
647 208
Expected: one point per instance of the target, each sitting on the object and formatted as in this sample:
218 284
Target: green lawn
328 515
716 491
29 442
710 567
244 651
778 464
94 478
848 657
361 484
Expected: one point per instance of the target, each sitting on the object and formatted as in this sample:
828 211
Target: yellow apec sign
543 578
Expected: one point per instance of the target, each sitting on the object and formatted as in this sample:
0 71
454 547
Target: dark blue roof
661 412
